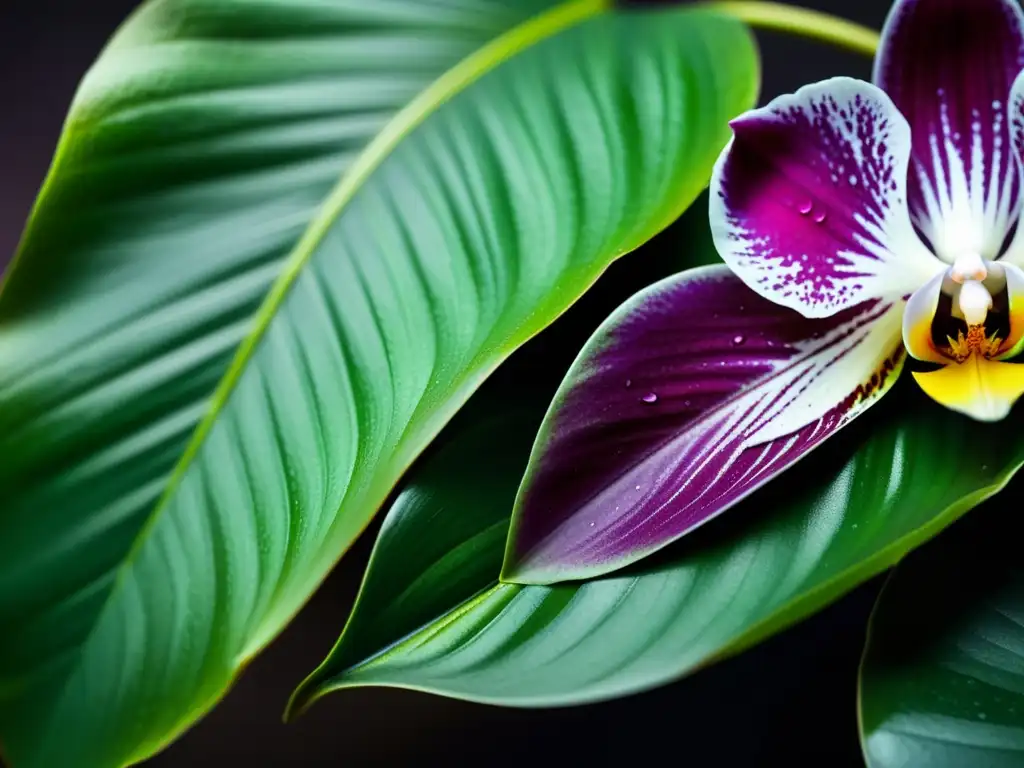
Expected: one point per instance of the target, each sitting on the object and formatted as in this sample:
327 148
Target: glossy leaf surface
471 222
442 535
942 681
790 549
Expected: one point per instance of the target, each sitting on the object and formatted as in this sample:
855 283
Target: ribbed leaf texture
851 509
142 568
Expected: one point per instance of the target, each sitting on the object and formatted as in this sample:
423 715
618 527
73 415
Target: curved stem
802 21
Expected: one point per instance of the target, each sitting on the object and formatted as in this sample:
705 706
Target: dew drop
820 217
982 716
638 487
591 525
738 340
650 397
629 383
805 207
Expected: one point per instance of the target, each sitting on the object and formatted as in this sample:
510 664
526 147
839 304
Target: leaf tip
302 698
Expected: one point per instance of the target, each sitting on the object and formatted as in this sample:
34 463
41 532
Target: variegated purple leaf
808 201
949 65
693 394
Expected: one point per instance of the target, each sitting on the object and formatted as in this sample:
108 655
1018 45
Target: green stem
802 21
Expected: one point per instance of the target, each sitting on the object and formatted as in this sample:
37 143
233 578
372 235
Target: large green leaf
476 217
942 681
850 510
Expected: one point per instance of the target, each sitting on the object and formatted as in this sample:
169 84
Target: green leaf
801 542
475 217
942 681
442 534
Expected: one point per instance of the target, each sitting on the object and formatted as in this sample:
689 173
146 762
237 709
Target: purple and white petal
949 66
693 394
808 201
1015 252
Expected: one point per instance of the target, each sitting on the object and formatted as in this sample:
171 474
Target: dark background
790 701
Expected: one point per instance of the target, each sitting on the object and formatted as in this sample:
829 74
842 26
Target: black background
790 701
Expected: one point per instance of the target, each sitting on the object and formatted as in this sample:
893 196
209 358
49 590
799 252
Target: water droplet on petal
650 397
820 217
738 340
629 383
806 207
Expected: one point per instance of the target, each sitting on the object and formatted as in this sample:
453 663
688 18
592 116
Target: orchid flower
900 198
858 222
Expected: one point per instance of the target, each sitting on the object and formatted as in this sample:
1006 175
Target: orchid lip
969 315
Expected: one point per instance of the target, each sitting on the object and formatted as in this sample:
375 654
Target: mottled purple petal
693 394
808 201
948 66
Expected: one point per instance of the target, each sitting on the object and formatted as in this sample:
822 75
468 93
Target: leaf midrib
452 82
